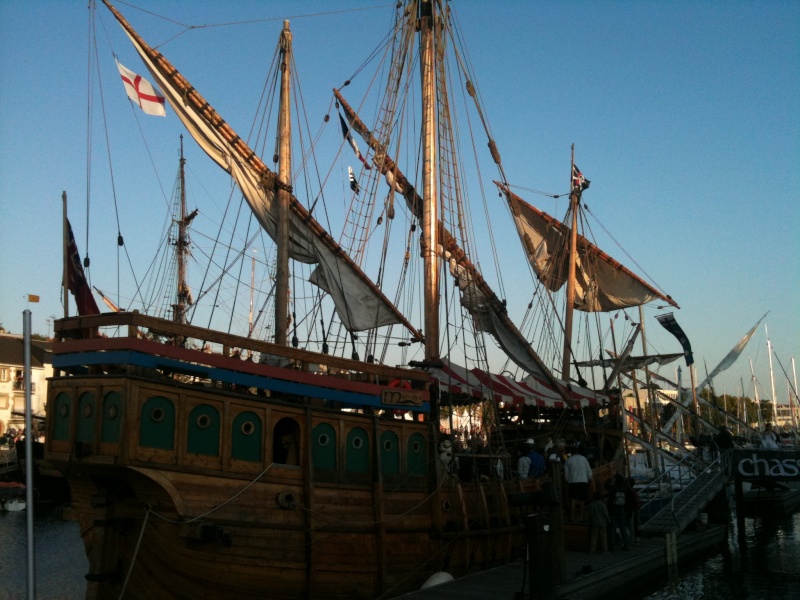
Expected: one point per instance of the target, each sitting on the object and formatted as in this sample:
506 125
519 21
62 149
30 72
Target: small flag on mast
76 279
348 136
669 323
33 298
353 183
578 180
142 92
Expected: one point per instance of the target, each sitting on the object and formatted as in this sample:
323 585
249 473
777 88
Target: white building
12 381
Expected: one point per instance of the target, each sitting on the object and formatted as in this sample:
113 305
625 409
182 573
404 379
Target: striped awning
476 385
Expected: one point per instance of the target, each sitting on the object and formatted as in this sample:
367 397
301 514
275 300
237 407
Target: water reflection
60 560
767 567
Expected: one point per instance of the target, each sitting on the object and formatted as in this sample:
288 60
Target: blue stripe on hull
246 380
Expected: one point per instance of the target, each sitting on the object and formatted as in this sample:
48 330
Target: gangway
687 504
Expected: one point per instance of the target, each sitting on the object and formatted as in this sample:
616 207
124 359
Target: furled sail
602 284
631 363
486 309
359 303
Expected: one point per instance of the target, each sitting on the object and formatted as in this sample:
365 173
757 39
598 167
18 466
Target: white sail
731 357
601 283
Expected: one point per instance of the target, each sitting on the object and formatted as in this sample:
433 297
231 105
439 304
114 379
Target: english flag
142 92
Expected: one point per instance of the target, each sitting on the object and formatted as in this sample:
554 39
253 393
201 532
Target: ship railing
83 333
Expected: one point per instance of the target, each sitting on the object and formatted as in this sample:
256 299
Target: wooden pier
617 574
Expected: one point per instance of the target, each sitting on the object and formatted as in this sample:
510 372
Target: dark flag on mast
349 137
670 324
353 181
76 279
578 180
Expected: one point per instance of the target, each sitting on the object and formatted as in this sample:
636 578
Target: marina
768 565
381 370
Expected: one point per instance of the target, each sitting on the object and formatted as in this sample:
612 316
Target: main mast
430 218
574 201
283 195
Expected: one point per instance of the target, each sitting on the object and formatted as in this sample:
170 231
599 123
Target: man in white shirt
578 473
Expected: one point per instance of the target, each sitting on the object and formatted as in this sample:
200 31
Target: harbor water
769 566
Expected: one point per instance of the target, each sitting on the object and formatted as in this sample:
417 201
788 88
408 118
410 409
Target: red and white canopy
532 391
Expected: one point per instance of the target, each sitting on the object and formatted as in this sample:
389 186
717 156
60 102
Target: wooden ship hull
188 484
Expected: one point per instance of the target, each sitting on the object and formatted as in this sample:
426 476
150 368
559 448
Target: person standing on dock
618 502
769 441
531 463
632 507
724 439
578 473
599 520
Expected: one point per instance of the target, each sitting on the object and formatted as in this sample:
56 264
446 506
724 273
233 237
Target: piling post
672 555
542 559
740 532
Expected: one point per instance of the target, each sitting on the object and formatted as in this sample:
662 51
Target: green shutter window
390 453
416 457
87 417
63 415
203 433
323 447
357 451
112 418
157 424
246 434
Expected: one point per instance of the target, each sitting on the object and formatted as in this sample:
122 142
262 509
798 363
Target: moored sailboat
298 473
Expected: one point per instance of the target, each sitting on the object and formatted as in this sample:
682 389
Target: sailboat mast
430 217
284 177
792 405
771 374
573 248
755 394
181 248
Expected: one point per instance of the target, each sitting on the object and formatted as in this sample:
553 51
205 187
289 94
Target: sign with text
778 465
398 396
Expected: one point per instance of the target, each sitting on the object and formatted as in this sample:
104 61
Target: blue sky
685 116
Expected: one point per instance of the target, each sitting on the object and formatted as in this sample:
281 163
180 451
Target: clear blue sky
685 116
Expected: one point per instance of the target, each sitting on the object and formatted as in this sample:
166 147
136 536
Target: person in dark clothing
724 439
618 500
632 506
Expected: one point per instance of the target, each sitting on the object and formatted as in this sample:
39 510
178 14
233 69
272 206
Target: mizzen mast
183 295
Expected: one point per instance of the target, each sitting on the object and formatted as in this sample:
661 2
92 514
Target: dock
589 576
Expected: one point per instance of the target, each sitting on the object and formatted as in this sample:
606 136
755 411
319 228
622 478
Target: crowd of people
11 436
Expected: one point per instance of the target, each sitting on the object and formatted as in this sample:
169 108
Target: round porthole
87 410
358 443
445 505
112 411
203 421
157 415
388 445
63 410
323 439
248 428
416 447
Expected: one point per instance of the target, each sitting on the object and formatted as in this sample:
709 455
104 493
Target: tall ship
355 429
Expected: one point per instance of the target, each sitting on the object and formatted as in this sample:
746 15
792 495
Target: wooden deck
589 576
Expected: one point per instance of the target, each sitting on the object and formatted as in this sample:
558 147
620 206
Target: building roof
12 351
